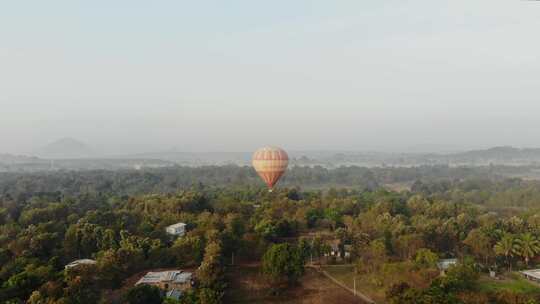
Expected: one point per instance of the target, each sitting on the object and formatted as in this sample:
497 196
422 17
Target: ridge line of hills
504 155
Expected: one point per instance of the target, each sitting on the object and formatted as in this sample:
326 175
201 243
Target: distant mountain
500 155
66 148
496 156
70 154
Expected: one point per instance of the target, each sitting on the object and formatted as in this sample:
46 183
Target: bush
143 294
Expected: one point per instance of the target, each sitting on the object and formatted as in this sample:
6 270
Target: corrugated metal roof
80 262
535 273
174 293
174 276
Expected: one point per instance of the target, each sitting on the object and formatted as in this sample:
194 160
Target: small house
444 264
78 263
348 249
337 250
178 229
168 280
333 246
532 275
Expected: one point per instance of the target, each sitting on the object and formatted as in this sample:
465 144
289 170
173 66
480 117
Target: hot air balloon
270 163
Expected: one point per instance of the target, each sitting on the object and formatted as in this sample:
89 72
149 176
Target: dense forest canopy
118 219
172 179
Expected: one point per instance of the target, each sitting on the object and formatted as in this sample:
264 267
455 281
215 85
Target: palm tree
506 247
528 247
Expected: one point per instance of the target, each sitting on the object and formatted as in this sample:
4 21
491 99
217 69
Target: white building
178 229
444 264
80 262
533 274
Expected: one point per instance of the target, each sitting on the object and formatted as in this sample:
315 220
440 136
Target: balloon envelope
270 163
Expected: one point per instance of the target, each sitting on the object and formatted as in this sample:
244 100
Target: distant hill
70 154
496 156
66 148
504 152
196 158
17 159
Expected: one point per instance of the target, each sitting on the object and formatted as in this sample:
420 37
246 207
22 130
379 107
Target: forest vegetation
486 221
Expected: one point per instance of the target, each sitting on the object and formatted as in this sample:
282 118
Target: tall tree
527 247
143 294
283 263
506 247
480 244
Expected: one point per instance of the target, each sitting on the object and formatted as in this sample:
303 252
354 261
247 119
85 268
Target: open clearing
513 282
345 275
248 286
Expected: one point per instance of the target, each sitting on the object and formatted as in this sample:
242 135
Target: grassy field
374 284
248 286
512 282
345 274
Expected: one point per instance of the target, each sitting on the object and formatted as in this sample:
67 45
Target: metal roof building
178 229
172 276
533 274
80 262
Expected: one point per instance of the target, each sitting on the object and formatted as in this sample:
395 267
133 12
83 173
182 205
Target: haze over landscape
270 152
133 76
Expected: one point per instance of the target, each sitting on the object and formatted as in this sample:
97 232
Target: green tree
506 247
267 229
82 285
188 250
480 244
304 248
402 293
426 258
210 271
460 277
527 247
143 294
283 263
209 296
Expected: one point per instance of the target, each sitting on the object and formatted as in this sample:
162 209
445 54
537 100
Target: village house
77 263
348 250
532 275
177 230
335 250
172 282
444 264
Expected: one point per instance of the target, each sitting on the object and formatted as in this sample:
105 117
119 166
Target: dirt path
248 286
364 298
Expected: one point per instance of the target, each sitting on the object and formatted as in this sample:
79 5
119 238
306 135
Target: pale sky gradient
136 75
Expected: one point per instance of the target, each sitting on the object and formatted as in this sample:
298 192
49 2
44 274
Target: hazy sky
139 75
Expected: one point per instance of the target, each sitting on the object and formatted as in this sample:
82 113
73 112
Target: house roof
446 263
177 225
174 293
80 262
535 273
172 276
